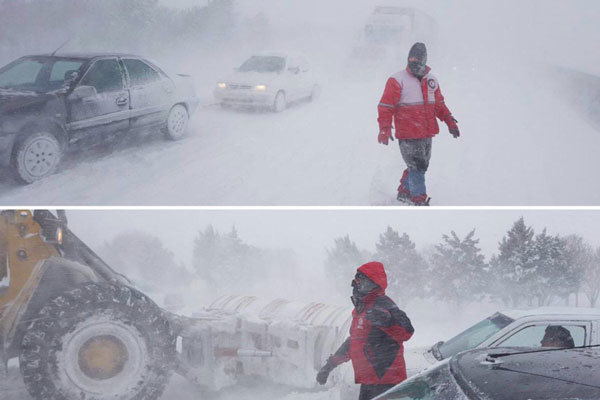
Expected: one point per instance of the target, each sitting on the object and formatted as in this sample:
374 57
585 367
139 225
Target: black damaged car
48 102
507 374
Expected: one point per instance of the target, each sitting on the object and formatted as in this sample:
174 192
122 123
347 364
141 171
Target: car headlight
260 88
222 85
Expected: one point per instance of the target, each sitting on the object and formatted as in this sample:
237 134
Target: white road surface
12 388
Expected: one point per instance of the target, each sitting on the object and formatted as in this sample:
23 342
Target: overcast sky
310 232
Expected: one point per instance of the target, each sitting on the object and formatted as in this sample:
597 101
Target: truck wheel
37 156
280 103
177 123
97 342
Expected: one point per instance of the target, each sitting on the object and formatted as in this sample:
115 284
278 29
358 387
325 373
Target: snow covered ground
12 388
521 144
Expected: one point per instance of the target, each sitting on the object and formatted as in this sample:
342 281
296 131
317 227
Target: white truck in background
389 32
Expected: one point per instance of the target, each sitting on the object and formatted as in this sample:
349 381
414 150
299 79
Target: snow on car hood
251 78
12 101
415 360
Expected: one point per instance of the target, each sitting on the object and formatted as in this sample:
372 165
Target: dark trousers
416 154
368 392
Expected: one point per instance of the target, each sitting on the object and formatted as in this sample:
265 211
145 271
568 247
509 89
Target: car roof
85 56
561 373
552 311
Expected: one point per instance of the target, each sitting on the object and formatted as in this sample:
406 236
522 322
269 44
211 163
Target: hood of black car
13 102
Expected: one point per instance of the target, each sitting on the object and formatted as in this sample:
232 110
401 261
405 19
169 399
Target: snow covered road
521 144
12 388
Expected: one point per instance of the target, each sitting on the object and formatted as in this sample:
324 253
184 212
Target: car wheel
280 103
177 123
315 93
37 156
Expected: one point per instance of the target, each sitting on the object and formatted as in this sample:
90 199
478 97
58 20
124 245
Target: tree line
528 269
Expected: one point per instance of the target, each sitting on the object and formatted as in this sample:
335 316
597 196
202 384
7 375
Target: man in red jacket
379 329
413 99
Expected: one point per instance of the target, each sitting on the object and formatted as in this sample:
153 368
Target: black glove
453 127
324 372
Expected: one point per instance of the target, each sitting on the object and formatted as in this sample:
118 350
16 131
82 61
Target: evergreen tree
461 273
552 276
591 283
405 267
341 263
579 255
144 259
225 260
515 265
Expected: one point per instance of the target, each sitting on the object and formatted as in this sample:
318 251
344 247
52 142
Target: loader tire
97 342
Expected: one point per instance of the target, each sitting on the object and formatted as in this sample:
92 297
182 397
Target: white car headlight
260 88
222 85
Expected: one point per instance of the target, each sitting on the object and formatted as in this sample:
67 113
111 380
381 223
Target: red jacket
413 105
377 333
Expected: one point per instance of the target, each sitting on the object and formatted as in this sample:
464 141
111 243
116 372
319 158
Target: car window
22 74
475 335
531 336
263 64
294 62
140 73
105 76
61 71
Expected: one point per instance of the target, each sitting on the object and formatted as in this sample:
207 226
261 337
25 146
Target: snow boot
421 200
403 191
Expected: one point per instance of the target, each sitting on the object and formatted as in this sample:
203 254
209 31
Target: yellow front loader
80 330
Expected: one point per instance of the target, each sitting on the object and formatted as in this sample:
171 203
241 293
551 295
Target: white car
272 80
511 328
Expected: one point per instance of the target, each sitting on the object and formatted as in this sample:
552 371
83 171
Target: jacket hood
376 272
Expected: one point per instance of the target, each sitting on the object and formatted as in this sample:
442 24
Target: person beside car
379 329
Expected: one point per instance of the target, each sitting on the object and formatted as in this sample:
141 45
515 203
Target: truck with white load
389 32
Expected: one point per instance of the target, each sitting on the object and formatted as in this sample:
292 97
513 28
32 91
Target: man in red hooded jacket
413 100
379 329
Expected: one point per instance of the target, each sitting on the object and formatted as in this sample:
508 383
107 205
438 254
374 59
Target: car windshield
263 64
437 383
38 74
474 336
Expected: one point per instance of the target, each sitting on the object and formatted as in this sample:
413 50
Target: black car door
151 91
105 110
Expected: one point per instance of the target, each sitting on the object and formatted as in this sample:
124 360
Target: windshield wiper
546 376
435 350
544 350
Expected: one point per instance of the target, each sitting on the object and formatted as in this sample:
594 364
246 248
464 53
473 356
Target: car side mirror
83 92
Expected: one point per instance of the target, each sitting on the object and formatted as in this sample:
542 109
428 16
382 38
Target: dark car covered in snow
48 102
507 374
